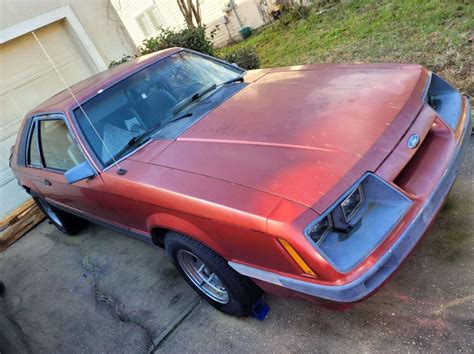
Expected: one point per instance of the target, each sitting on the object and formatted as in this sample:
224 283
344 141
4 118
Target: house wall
81 36
211 11
244 13
129 10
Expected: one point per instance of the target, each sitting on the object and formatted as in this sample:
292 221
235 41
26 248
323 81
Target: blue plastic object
260 310
383 207
79 172
445 100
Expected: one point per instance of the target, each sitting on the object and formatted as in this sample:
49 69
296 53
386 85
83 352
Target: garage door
27 79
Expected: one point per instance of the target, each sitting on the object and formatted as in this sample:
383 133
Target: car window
60 151
33 154
145 99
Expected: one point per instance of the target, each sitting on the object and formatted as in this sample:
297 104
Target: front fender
189 228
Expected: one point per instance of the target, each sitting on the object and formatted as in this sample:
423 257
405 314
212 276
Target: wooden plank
16 213
19 222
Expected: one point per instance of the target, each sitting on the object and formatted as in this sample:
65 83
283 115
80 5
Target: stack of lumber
19 222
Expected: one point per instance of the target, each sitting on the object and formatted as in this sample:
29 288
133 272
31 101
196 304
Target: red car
314 181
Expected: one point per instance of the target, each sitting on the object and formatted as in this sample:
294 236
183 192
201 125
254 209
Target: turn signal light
296 257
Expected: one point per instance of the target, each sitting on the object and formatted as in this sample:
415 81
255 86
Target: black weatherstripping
28 130
23 142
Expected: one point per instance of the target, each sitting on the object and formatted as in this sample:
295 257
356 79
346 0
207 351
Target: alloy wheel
200 275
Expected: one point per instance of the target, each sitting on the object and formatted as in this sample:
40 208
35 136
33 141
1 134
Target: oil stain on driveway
103 292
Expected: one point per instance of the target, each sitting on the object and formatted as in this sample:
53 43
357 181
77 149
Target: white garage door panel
26 80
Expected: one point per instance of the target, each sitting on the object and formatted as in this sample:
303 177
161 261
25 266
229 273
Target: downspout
239 21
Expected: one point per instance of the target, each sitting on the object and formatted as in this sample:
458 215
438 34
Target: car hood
302 133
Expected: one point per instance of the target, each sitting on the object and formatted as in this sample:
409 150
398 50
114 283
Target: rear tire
210 276
67 223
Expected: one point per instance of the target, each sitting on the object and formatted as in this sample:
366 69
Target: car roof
64 101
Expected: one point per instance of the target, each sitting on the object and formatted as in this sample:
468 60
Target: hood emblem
413 141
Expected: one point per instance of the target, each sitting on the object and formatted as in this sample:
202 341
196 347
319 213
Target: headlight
348 208
352 203
354 226
321 229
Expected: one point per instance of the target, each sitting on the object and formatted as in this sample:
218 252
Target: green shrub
124 59
193 38
294 12
245 57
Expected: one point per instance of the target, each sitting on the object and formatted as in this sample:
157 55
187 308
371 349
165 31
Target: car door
51 151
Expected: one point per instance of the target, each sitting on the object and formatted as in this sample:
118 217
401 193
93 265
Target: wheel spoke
198 272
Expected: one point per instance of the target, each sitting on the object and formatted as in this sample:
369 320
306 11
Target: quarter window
59 150
33 153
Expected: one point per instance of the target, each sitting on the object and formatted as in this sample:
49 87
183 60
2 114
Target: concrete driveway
103 292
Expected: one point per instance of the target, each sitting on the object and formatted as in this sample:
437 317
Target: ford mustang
313 181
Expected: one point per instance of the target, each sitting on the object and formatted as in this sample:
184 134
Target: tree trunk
191 12
196 10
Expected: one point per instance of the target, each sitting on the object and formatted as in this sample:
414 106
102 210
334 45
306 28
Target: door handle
46 182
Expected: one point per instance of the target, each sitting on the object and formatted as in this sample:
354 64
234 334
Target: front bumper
392 259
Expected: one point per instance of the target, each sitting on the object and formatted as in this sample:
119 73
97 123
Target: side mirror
236 66
78 173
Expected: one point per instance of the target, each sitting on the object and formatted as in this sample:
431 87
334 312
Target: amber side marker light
296 257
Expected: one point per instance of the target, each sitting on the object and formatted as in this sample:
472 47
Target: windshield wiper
137 140
193 98
185 115
234 79
146 135
203 92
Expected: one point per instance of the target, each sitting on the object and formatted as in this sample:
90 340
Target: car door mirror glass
79 172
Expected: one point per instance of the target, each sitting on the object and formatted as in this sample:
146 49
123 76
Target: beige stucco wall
98 17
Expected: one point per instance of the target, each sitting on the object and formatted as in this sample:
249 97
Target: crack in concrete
102 297
174 326
97 271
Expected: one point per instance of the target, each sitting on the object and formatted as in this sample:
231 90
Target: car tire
67 223
237 294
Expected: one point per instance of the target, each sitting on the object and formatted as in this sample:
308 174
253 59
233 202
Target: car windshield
150 98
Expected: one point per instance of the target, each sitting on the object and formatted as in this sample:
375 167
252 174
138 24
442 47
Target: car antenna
120 171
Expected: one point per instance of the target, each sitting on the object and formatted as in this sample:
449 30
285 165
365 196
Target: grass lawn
435 33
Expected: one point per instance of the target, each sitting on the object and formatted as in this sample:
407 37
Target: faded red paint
267 161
